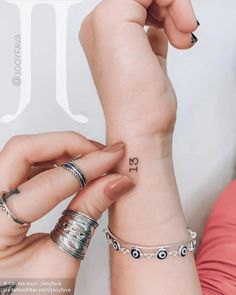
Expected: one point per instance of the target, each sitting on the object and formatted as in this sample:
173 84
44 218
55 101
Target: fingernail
97 144
115 147
118 187
198 23
194 39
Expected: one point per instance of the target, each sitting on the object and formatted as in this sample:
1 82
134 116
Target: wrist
148 146
154 205
154 117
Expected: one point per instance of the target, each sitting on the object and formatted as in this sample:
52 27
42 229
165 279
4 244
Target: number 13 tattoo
133 164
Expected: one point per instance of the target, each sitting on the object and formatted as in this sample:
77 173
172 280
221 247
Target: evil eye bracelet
158 252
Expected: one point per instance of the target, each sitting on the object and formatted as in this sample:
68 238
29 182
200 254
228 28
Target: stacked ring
73 233
3 205
77 172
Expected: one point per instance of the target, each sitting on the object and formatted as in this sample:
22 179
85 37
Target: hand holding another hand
27 164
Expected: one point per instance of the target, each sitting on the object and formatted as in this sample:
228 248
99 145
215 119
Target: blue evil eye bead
162 254
136 253
183 251
116 245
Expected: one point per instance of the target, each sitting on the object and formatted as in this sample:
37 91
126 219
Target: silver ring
77 172
73 233
3 205
77 157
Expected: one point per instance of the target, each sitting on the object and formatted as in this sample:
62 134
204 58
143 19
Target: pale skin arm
129 69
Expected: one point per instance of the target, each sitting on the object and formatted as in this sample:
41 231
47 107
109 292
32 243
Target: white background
205 82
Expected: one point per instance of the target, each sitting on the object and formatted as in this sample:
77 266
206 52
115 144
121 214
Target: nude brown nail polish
115 147
99 145
118 187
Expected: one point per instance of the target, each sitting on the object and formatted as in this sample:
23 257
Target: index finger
22 151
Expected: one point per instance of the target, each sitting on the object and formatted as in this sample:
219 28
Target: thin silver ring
7 210
73 159
77 172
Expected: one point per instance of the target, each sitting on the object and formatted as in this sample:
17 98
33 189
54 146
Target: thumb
93 201
101 194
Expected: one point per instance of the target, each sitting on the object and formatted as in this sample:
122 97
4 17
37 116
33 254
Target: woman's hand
176 17
36 256
129 65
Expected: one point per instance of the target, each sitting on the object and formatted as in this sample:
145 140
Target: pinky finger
177 38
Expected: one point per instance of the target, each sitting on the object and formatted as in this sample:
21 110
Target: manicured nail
118 187
198 23
115 147
97 144
194 39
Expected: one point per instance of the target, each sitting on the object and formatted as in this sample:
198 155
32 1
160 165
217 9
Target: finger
178 39
43 192
93 201
183 15
46 165
159 17
67 156
151 21
21 152
101 194
157 12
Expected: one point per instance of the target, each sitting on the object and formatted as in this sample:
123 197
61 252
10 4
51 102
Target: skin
130 87
23 256
129 69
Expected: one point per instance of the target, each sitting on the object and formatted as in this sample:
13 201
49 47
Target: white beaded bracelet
159 252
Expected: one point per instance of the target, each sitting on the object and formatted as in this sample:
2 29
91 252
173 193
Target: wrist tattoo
133 164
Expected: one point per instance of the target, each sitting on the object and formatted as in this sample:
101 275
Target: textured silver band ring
4 207
73 233
77 172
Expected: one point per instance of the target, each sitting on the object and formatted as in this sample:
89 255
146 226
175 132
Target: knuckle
92 209
17 141
70 133
47 180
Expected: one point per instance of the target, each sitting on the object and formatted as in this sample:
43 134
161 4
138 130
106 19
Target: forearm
150 215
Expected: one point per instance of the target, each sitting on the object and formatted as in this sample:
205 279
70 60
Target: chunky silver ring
73 233
3 205
77 172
